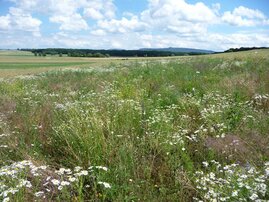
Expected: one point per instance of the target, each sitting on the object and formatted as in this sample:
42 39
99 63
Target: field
192 128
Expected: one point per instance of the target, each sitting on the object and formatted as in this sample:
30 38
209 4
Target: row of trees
244 49
96 55
105 53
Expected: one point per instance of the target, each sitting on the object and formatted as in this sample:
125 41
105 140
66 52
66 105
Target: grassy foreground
190 129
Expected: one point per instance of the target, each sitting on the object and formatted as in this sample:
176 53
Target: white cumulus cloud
19 20
98 32
99 9
99 24
92 13
179 16
68 13
4 22
72 22
242 16
123 25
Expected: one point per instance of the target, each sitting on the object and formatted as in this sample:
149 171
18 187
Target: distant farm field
192 128
14 63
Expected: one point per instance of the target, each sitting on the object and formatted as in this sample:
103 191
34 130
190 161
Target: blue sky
132 24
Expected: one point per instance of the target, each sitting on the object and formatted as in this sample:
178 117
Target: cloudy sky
131 24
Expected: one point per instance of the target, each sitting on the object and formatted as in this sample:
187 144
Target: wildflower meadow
176 129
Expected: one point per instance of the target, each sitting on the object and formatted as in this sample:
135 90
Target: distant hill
178 50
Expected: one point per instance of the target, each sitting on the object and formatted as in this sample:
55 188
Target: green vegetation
175 129
108 53
244 49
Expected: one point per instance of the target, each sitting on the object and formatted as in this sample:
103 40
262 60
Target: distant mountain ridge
178 50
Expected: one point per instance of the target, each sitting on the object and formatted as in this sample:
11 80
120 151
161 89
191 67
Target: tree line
244 49
105 53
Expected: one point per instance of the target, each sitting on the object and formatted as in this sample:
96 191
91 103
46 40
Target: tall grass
157 131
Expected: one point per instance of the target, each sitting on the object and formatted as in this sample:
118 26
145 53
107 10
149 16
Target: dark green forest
106 53
244 49
124 53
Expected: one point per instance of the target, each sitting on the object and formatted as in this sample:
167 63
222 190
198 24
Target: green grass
164 129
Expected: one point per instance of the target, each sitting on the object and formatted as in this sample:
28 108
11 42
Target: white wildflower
55 182
65 183
6 199
105 184
235 193
43 167
38 194
60 106
84 172
205 164
267 172
253 196
81 173
72 179
77 168
102 168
